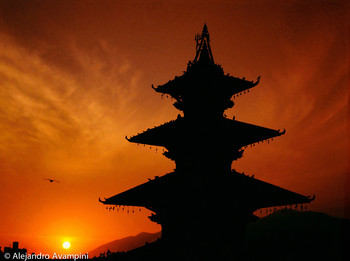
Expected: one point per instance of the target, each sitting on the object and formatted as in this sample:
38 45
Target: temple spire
203 49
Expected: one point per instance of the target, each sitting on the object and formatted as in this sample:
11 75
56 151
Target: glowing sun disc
66 245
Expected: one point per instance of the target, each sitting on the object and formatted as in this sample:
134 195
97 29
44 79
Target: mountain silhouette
284 235
125 244
292 235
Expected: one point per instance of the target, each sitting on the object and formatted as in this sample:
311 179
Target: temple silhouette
203 206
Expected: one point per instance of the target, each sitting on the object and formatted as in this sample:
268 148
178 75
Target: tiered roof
203 93
170 189
236 133
204 84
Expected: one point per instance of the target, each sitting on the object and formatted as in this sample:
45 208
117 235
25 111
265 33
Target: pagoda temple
203 206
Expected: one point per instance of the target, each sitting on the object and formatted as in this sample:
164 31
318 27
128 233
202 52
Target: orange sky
75 78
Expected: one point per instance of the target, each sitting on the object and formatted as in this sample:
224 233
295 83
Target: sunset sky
75 79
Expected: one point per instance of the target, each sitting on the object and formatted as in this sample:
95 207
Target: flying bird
52 180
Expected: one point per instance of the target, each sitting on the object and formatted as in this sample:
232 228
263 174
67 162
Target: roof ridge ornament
203 45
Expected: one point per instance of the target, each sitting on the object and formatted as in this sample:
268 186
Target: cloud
44 108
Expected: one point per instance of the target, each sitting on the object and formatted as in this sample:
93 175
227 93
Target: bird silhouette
52 180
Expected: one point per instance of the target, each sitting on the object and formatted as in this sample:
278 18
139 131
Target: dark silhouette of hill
284 235
126 244
293 235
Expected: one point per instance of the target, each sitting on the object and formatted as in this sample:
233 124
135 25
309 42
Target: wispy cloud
45 108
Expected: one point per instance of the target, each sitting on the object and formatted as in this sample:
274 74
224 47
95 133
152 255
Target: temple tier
204 206
204 90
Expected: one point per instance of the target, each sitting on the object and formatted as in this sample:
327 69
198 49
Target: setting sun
66 245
